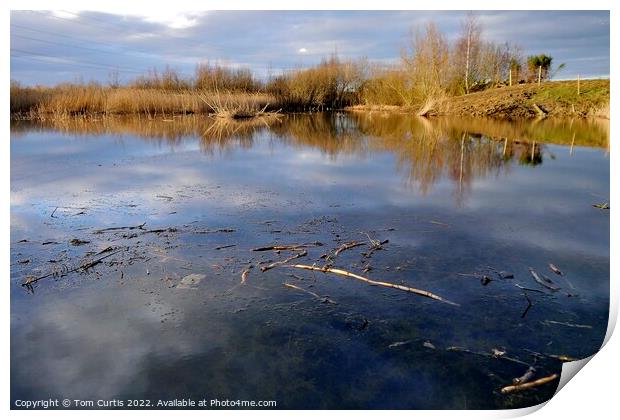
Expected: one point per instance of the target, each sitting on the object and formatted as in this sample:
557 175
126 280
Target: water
453 197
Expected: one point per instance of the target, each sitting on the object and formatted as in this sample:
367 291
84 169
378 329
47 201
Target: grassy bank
553 99
530 101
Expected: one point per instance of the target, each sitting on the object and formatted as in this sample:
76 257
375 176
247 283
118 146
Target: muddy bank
551 99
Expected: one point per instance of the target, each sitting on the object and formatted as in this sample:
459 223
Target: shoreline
524 101
572 98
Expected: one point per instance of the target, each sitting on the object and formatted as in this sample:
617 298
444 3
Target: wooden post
578 85
539 74
510 77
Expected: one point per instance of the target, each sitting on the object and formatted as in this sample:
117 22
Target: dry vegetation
433 77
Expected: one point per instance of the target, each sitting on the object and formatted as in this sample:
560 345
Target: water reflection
425 150
453 197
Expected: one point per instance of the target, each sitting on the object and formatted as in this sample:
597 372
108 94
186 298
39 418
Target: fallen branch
293 247
141 226
85 266
348 245
286 261
374 282
546 283
527 385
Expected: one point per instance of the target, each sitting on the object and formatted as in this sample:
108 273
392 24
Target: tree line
431 68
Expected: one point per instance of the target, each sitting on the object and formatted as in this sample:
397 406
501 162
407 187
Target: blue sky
51 47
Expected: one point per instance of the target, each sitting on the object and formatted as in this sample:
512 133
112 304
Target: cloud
134 41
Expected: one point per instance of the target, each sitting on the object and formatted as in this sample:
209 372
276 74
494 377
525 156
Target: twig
374 282
527 385
529 305
566 324
286 261
322 299
528 289
348 245
84 266
555 269
52 215
525 377
494 355
141 226
244 275
217 248
293 247
548 283
221 230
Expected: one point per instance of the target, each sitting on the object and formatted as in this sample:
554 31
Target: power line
36 56
72 64
66 45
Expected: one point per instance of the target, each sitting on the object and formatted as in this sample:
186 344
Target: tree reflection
425 151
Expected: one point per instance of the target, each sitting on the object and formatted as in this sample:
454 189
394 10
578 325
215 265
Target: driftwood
294 247
398 344
217 248
566 324
546 282
528 385
322 299
602 206
374 282
528 289
555 269
221 230
244 275
85 266
494 354
141 226
286 261
348 245
529 374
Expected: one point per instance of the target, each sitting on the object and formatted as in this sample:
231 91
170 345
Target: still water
180 308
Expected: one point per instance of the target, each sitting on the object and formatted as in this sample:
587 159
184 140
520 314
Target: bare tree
468 48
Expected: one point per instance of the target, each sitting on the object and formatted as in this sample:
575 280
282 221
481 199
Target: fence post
510 77
539 74
578 85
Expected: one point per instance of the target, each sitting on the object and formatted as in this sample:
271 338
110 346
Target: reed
93 100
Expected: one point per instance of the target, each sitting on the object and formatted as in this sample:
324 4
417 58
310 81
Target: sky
49 47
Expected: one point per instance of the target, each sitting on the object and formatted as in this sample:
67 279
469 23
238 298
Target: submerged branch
374 282
527 385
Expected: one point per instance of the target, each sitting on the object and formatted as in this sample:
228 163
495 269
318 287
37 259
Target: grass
520 101
231 106
92 100
67 101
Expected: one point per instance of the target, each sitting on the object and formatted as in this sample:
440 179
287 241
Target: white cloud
302 51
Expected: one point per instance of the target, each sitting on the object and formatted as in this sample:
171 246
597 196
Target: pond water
167 214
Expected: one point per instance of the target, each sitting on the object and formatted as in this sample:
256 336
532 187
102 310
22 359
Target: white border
592 395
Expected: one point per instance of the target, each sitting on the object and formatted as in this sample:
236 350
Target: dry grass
229 105
93 100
